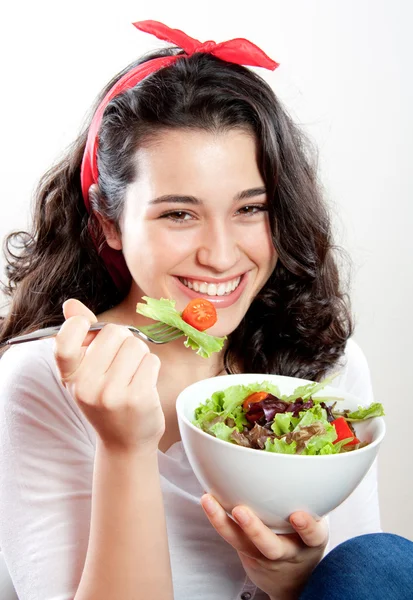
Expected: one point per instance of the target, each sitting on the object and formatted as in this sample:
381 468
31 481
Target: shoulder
355 360
354 372
38 351
31 362
31 389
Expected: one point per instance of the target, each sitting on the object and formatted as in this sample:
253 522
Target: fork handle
48 332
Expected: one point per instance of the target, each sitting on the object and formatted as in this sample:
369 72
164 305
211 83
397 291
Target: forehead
196 161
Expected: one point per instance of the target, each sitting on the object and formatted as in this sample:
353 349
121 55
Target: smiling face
195 223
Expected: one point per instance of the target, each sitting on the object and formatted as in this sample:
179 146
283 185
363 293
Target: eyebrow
177 199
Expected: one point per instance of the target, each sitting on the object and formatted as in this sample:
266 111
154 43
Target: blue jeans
377 566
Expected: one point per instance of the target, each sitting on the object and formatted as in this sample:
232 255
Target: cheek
259 247
149 249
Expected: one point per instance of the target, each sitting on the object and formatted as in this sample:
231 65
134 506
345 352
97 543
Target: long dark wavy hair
299 323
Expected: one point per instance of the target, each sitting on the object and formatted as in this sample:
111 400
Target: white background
345 75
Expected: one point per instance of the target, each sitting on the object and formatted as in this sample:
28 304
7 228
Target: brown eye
252 209
178 216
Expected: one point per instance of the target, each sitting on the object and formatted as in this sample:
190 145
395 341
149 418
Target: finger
126 362
104 348
270 545
313 533
68 342
75 308
149 366
226 527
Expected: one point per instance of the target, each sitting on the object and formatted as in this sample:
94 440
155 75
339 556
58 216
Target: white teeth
211 289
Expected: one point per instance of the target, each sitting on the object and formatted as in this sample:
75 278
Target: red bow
239 51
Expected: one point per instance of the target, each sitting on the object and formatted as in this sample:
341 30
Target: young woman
189 175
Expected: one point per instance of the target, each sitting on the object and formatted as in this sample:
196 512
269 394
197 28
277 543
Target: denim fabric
377 566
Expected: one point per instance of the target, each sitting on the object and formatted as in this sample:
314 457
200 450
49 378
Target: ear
110 231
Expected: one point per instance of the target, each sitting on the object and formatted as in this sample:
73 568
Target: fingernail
209 505
299 522
241 516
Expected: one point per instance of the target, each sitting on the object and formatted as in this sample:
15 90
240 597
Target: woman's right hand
112 376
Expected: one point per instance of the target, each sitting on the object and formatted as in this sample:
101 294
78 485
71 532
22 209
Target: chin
222 329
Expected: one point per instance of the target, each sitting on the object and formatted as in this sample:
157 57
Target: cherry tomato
252 398
200 313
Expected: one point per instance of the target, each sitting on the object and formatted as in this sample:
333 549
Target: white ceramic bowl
273 485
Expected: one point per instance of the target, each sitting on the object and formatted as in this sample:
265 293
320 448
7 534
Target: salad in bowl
259 416
278 444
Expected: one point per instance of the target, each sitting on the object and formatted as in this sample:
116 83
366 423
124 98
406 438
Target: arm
47 468
112 376
128 551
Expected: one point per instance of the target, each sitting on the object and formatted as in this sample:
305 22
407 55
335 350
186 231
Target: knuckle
273 554
254 533
116 331
111 398
156 361
83 392
62 353
111 329
316 535
139 344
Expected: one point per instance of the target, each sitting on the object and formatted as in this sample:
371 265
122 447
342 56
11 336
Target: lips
223 301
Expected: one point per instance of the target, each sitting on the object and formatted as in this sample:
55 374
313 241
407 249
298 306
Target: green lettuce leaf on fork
164 311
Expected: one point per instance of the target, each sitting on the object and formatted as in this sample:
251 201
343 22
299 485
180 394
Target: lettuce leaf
318 442
366 412
312 415
330 448
280 446
283 423
222 431
209 411
164 310
308 390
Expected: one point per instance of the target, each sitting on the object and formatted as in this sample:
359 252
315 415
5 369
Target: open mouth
211 289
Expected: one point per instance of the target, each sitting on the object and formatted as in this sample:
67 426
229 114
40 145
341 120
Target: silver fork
159 333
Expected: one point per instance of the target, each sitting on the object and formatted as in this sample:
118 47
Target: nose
219 248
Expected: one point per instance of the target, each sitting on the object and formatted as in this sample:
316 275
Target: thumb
75 308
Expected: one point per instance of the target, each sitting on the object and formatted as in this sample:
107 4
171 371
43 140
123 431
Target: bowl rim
368 448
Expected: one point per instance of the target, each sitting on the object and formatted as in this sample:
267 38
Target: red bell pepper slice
343 432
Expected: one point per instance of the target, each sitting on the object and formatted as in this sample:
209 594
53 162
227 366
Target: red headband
239 51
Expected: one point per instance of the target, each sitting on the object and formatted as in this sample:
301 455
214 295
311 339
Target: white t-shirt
47 452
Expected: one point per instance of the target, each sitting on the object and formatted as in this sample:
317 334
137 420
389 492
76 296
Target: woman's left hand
280 565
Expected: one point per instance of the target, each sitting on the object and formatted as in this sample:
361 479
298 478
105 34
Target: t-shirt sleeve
360 513
46 466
